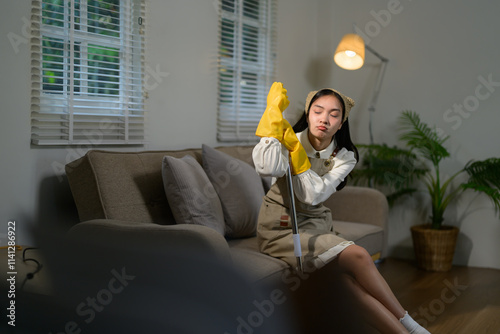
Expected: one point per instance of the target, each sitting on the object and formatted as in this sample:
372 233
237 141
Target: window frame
75 109
246 66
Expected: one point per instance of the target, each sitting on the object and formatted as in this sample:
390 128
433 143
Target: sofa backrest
128 185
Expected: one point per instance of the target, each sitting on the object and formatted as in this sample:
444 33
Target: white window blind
87 58
247 46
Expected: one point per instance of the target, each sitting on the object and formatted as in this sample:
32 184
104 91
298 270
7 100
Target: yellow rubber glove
271 122
298 156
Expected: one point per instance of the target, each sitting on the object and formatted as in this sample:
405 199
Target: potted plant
397 170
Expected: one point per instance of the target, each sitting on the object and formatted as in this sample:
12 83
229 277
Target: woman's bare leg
373 298
356 262
368 308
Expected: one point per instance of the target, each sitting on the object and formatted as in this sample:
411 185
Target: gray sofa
122 195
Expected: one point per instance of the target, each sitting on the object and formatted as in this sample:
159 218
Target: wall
441 54
181 109
182 44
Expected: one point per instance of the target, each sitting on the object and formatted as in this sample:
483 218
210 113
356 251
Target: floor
464 300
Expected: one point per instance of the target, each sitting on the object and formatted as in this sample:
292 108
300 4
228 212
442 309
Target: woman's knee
355 256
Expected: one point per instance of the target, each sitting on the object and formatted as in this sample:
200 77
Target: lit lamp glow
350 53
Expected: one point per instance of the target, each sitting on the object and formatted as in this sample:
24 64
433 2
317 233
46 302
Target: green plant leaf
392 170
392 198
388 166
395 170
484 176
420 137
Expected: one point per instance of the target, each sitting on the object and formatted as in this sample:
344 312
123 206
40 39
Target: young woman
321 154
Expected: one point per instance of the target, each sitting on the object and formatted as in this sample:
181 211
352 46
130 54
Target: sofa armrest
181 238
359 204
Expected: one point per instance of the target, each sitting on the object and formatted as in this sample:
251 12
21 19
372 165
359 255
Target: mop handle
295 229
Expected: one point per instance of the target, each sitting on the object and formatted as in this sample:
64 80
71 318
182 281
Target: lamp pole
376 91
350 55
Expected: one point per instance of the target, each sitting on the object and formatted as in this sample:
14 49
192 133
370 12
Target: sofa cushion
260 267
191 196
244 153
368 236
122 185
239 188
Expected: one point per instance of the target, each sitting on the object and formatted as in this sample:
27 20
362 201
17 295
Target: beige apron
320 244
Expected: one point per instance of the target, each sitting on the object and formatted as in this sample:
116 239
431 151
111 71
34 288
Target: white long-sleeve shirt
271 159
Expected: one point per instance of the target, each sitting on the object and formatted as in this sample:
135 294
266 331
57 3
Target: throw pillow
239 188
190 194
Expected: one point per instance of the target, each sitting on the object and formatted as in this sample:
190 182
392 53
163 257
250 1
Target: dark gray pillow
190 194
240 191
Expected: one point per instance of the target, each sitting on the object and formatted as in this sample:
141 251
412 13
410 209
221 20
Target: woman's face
325 118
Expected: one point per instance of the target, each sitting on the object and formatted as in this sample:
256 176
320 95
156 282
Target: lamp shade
350 53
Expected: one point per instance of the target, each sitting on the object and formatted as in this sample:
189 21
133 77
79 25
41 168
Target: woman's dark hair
343 135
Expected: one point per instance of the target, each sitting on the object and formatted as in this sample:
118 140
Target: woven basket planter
434 249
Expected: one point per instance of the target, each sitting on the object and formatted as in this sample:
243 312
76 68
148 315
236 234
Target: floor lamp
350 55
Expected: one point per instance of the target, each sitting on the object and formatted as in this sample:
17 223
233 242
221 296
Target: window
246 66
87 72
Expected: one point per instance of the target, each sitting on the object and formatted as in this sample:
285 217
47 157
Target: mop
297 250
272 124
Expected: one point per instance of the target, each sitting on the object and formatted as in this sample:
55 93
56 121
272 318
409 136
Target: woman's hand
298 156
270 124
277 96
